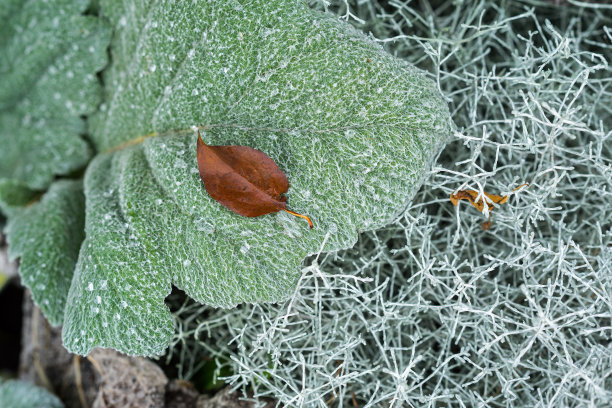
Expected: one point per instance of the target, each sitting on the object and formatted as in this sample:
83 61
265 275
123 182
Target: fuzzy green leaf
50 54
352 127
47 236
14 195
19 394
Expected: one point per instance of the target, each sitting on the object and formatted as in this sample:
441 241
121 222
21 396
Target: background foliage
50 54
19 394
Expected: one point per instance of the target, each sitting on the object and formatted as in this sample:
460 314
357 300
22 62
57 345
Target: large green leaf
47 236
50 54
353 127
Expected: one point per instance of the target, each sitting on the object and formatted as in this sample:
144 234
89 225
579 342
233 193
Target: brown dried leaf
479 203
243 179
472 197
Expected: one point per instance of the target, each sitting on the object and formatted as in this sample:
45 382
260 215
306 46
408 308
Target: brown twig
40 371
76 362
98 368
96 365
354 399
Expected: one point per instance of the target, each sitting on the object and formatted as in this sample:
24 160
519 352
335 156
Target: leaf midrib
177 132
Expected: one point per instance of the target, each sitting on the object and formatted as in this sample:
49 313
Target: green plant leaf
20 394
47 236
50 54
14 195
353 128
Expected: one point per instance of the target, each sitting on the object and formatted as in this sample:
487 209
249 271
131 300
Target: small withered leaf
243 179
472 197
479 203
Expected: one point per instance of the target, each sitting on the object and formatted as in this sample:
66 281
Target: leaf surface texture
47 236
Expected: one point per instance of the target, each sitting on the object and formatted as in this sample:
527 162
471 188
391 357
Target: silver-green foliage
19 394
353 128
50 55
